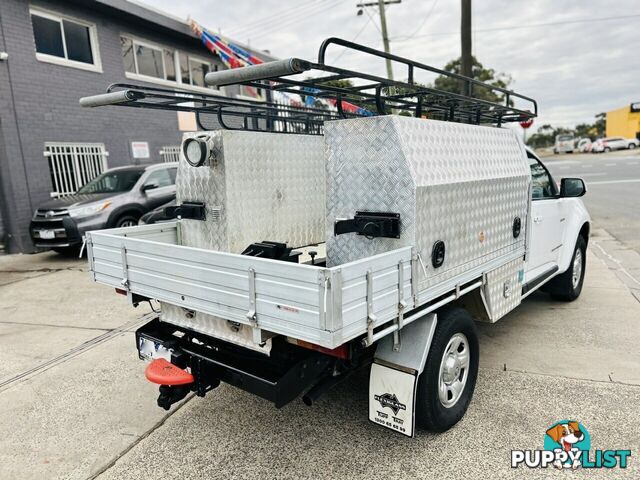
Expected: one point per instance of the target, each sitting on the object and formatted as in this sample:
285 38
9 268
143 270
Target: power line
410 36
353 39
279 14
293 19
533 25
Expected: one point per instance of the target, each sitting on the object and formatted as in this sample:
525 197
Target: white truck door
547 221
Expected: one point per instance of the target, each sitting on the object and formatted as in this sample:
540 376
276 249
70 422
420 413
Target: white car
565 143
633 143
610 144
583 145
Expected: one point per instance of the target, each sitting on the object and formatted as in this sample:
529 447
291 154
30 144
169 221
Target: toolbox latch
190 210
370 224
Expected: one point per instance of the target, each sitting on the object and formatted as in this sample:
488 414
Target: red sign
526 123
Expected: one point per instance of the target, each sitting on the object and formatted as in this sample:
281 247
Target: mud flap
394 376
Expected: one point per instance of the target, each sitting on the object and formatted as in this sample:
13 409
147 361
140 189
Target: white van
565 143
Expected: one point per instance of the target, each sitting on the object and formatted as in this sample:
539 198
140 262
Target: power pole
383 27
465 38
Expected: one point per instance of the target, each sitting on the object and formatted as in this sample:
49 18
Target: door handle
537 219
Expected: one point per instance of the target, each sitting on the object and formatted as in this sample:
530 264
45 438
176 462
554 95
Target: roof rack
325 99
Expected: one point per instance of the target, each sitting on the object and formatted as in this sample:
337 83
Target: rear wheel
446 385
567 286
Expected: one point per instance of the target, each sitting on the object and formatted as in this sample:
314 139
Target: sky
576 58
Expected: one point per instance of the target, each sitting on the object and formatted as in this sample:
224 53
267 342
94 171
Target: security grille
72 165
170 153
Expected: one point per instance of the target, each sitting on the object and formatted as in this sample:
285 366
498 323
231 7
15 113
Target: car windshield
565 138
113 181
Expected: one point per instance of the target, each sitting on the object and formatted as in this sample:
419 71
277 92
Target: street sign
140 149
526 123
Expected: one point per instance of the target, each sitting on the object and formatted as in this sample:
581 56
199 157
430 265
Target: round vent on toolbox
437 254
517 226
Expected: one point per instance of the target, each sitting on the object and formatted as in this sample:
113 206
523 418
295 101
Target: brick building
58 51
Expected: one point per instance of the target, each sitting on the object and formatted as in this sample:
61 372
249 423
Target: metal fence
72 165
170 153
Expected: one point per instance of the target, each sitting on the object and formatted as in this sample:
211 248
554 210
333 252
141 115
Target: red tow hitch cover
162 372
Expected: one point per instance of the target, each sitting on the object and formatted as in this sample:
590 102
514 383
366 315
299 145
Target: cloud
573 70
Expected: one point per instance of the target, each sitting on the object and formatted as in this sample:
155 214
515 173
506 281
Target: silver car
116 198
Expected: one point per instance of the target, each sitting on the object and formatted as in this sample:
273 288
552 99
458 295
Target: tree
479 72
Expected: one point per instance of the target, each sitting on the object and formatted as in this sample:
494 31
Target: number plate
47 234
150 350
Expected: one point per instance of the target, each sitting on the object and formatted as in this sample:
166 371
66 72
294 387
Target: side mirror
149 186
572 187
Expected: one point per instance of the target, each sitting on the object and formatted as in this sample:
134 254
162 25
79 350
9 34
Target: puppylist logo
567 444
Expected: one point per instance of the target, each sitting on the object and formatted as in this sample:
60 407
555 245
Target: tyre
446 384
632 146
607 149
567 286
126 221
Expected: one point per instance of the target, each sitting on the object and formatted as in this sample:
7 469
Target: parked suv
117 198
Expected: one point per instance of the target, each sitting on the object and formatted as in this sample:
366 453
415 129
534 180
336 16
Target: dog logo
567 444
568 437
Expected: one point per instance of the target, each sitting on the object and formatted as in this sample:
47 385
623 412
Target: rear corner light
121 291
340 352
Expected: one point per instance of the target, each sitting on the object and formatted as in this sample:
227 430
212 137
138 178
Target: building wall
39 103
623 123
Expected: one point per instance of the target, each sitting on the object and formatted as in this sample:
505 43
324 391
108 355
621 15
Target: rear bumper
279 378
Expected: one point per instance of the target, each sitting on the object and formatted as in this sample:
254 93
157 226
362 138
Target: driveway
76 404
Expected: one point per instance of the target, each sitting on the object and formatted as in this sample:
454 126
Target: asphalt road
613 183
613 200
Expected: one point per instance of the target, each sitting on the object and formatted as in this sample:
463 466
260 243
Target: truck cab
559 230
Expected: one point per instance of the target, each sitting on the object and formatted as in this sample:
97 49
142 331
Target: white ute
368 229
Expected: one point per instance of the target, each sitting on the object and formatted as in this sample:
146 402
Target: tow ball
175 382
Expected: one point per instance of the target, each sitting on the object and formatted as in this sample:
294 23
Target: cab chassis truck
368 228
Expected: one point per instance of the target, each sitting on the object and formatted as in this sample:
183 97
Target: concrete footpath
75 403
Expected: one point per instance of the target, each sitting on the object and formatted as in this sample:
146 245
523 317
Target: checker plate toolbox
415 210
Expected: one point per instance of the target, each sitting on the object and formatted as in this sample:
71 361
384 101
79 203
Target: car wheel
126 221
567 286
446 385
632 146
607 150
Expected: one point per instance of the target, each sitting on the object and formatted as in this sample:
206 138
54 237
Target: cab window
163 177
542 185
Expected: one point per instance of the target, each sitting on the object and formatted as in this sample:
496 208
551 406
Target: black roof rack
363 95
